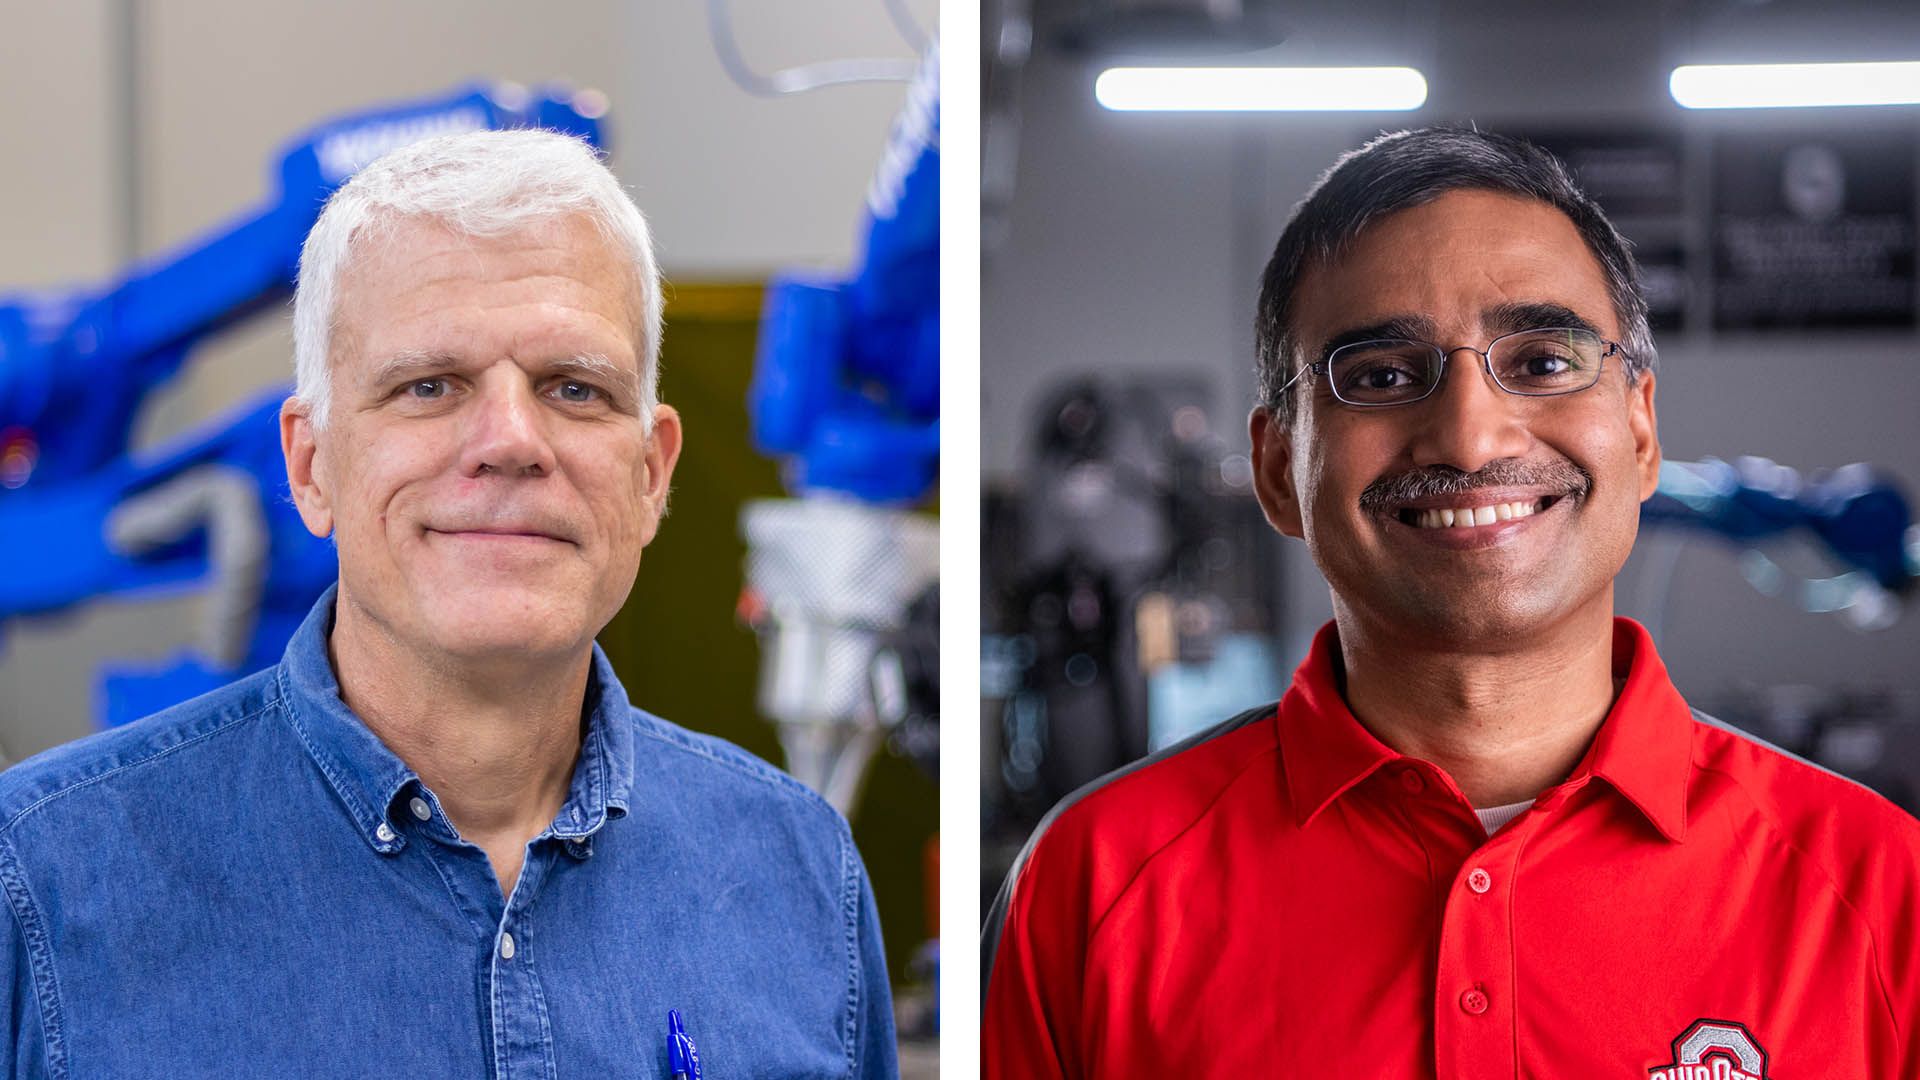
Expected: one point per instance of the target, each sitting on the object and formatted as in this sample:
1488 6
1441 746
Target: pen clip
683 1060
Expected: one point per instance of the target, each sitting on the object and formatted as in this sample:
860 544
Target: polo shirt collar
369 779
1643 748
1324 750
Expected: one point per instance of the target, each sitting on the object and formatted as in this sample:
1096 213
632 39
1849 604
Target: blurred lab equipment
1132 594
846 394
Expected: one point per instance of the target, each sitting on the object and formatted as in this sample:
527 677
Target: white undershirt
1495 818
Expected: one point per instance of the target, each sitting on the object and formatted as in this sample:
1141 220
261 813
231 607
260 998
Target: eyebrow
597 367
1406 327
407 366
1514 317
1508 318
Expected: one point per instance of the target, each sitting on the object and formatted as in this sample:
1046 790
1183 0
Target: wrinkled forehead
387 240
420 255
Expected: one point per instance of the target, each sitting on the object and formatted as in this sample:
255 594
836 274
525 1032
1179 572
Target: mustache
1558 475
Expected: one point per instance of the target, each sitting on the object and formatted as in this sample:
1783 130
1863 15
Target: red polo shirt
1289 897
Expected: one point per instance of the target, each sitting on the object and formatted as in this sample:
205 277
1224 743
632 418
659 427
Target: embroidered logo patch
1714 1050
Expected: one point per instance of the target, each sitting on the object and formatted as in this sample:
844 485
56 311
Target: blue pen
683 1061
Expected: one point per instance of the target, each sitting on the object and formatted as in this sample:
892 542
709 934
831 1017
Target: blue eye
577 392
427 389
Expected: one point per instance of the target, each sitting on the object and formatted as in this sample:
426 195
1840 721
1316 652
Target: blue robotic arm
846 385
75 366
211 511
846 393
1858 515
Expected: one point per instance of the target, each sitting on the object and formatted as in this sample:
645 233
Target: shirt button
419 807
506 949
1411 780
1479 880
1474 1001
384 833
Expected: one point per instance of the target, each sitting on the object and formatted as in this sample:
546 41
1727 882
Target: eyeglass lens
1536 363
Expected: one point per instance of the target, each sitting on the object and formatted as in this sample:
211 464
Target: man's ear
297 445
1644 423
656 464
1273 473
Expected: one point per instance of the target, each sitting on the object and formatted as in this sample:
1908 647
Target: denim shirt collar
372 782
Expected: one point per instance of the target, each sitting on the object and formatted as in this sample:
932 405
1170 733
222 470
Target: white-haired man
436 840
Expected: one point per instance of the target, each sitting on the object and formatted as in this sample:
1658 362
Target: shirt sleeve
874 1045
23 1036
1894 893
1034 954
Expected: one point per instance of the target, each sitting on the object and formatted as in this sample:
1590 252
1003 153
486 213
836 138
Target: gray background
1133 242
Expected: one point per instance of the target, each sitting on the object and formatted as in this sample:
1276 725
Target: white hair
479 184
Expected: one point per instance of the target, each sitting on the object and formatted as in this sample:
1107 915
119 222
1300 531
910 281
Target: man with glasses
1482 834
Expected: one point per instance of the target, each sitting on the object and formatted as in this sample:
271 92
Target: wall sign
1813 230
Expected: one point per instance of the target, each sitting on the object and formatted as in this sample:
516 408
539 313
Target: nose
1468 421
505 432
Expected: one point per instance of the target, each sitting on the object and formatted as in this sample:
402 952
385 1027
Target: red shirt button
1412 782
1479 880
1474 1001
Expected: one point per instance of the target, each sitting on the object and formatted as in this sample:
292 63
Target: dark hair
1409 168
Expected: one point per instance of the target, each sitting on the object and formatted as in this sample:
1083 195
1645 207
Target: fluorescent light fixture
1260 89
1792 86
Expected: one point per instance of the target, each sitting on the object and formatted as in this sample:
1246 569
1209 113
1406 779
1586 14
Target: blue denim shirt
252 884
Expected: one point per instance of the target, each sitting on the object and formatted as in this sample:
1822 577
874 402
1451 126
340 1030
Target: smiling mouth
1468 515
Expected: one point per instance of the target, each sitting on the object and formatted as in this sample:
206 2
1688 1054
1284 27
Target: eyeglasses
1531 363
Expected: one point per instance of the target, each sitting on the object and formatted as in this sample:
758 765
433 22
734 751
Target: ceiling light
1789 86
1260 89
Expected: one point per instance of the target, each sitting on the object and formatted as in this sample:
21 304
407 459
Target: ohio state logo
1714 1050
